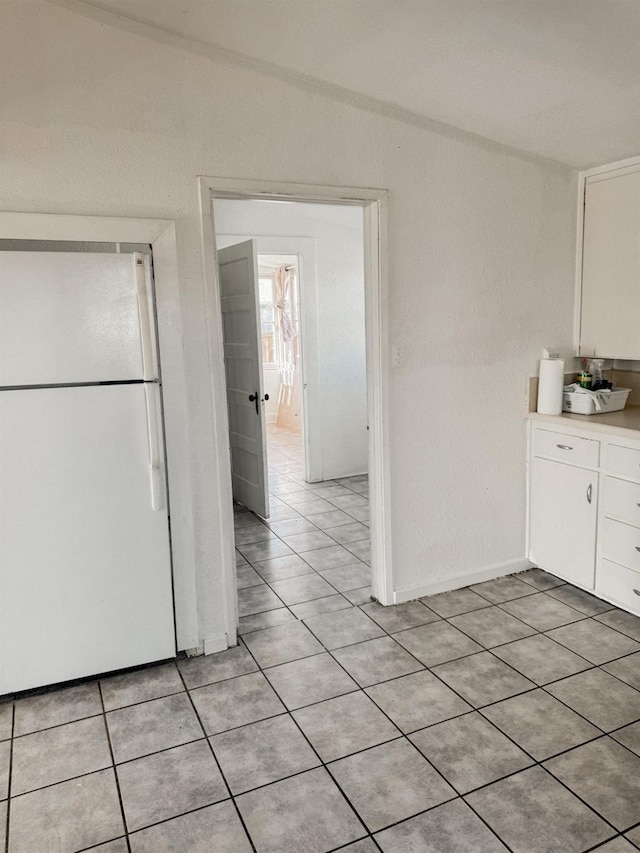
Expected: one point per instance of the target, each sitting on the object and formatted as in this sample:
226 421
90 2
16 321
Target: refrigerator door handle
144 316
155 469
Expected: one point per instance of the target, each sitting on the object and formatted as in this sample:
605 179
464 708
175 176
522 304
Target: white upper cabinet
610 312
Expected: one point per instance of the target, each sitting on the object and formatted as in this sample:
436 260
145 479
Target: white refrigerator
85 565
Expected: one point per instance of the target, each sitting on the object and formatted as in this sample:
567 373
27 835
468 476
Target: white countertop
626 422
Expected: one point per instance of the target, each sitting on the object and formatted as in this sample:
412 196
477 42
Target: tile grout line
113 767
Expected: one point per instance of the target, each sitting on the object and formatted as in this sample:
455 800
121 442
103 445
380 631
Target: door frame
374 205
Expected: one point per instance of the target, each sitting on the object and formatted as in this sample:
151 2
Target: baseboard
487 574
211 645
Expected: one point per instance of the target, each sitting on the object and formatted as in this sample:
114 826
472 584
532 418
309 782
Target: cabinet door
610 315
563 509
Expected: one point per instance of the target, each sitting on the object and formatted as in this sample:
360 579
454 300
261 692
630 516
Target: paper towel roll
550 386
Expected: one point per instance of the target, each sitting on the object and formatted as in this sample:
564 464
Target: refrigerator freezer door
69 317
85 570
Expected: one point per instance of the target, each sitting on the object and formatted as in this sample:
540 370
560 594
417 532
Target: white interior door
85 569
238 270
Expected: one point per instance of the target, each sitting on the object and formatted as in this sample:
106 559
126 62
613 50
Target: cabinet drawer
621 543
622 500
566 448
623 460
620 584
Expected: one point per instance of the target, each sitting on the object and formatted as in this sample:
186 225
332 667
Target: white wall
98 120
339 438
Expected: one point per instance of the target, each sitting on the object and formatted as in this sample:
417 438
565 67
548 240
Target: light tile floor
500 717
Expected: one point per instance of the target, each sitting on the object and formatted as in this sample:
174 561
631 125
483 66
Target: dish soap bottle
584 379
596 366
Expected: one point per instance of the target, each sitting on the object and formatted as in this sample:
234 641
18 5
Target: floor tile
55 708
118 846
268 619
629 736
304 682
256 599
347 724
236 702
417 700
540 579
330 490
482 679
73 749
601 698
326 520
68 816
622 621
376 660
634 836
215 828
312 508
282 644
541 659
361 549
540 724
606 776
470 752
502 589
390 783
305 588
5 757
364 846
346 533
399 617
3 820
491 626
281 568
246 577
309 541
320 605
358 596
618 845
291 526
353 576
160 724
6 720
456 601
437 643
207 669
580 600
252 533
348 501
343 628
594 641
281 511
299 497
450 828
328 558
360 513
307 813
140 686
532 813
167 784
261 551
626 669
263 752
541 611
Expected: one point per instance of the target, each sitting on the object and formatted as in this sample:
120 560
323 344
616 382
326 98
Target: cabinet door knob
637 591
564 447
590 495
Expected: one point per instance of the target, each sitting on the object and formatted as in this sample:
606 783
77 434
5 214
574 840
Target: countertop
626 422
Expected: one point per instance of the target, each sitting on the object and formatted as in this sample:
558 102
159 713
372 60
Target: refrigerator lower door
85 571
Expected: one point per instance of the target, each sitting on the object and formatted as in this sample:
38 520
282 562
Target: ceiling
558 78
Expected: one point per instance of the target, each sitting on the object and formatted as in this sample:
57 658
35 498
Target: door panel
564 502
68 317
85 570
243 366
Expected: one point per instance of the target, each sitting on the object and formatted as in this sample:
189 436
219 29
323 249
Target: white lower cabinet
584 518
563 520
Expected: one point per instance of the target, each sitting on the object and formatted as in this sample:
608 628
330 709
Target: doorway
342 502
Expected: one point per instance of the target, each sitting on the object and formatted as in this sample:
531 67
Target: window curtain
285 282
